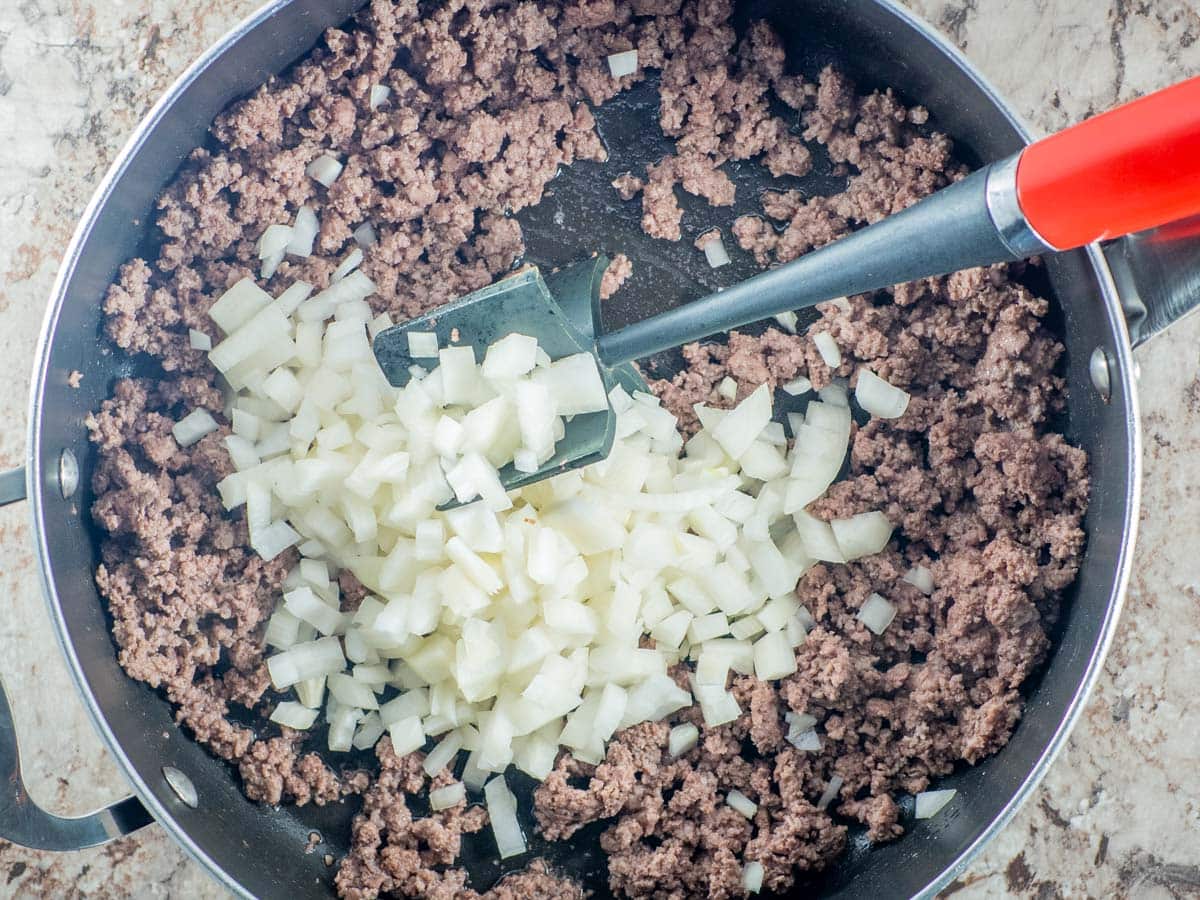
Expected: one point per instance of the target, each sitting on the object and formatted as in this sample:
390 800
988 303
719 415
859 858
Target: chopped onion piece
876 613
622 64
930 803
448 796
407 735
325 169
304 232
741 425
443 754
352 261
862 535
787 321
878 397
828 349
774 657
272 247
294 715
797 386
807 741
714 250
502 812
269 542
365 235
727 388
378 95
831 791
682 739
743 804
422 344
920 578
198 340
300 662
193 427
752 877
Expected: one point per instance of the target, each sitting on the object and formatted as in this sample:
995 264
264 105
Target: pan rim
38 477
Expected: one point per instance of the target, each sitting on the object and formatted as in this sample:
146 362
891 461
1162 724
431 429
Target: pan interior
259 850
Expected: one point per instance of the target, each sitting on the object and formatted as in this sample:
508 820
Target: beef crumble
492 99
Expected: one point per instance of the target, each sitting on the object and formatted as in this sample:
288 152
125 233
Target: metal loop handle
22 821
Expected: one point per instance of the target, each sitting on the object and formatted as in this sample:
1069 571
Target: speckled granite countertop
1118 815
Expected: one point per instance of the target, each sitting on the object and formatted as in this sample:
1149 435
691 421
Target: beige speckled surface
1119 814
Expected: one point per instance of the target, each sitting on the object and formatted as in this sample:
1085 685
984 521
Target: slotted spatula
1132 168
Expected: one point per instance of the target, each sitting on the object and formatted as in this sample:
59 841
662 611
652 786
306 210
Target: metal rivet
181 785
68 473
1099 368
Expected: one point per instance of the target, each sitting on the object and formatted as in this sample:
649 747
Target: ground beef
489 99
615 275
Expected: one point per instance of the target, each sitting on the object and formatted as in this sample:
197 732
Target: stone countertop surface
1118 814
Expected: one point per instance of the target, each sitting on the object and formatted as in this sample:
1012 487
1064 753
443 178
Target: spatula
1132 168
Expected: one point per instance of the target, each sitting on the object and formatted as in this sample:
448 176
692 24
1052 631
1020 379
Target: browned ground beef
493 98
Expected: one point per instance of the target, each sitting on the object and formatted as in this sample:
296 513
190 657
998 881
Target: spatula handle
1125 170
1132 168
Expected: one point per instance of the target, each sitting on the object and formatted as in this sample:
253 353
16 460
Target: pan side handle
22 821
1157 274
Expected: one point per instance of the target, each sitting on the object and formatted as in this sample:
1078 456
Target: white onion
741 425
682 739
787 321
304 661
920 578
510 357
876 613
407 735
238 305
878 397
304 232
352 261
740 802
752 877
198 340
774 657
797 386
448 796
862 535
831 791
272 247
324 169
828 348
443 754
379 95
806 741
502 813
370 729
622 64
930 803
365 235
714 251
422 344
294 715
193 427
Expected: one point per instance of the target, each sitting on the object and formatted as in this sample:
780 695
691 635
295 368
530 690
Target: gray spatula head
561 311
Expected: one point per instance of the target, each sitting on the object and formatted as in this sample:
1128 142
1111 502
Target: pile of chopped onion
514 624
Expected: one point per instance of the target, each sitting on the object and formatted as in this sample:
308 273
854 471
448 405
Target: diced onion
502 812
787 321
304 232
808 741
828 348
325 169
304 661
443 754
920 578
682 739
352 261
622 64
774 657
878 397
193 427
198 340
862 535
422 344
930 803
379 95
797 386
448 796
714 251
743 804
752 877
876 613
831 791
294 715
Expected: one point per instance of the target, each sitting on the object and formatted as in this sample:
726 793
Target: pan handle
22 821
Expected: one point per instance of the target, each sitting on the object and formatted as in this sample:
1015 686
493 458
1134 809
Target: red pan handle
1125 170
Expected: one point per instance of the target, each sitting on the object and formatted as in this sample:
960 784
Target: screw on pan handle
22 821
